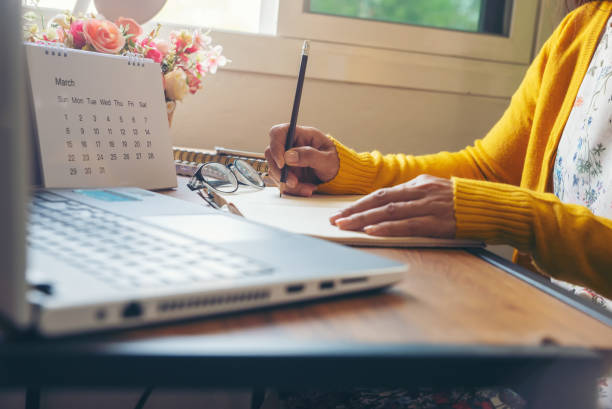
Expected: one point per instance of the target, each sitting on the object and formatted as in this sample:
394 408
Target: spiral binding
135 59
54 49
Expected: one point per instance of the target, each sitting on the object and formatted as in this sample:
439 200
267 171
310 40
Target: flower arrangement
185 59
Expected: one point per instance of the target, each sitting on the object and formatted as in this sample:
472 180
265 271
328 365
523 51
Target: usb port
326 285
354 280
295 288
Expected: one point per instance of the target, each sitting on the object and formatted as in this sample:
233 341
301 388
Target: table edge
543 284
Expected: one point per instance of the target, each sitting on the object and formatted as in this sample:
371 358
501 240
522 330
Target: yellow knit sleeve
566 241
498 157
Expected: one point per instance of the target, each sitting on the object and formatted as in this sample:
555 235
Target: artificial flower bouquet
185 59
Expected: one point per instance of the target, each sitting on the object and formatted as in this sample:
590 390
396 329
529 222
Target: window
466 15
56 4
469 25
368 45
231 15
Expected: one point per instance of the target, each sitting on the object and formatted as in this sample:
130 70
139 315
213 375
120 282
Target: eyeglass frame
198 182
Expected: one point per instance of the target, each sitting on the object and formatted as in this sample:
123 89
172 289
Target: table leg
32 400
257 398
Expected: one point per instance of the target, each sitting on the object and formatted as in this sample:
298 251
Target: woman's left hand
422 207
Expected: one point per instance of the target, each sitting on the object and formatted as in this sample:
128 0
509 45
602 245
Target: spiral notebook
100 120
187 160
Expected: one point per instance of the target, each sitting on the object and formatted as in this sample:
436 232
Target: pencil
294 111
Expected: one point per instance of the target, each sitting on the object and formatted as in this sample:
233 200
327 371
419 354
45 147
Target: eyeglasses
225 178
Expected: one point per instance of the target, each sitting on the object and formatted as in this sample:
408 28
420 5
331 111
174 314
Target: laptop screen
14 172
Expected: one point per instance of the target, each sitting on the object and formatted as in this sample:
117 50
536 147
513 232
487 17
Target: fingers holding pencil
312 160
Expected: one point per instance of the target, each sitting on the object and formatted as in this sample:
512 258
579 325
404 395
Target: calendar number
93 138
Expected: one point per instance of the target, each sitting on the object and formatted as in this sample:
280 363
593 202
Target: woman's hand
422 207
312 160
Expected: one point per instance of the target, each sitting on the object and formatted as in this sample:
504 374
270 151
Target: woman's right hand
312 160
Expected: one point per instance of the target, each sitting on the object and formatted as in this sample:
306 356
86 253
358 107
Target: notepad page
311 215
100 119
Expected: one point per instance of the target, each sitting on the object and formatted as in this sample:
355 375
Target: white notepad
100 119
310 216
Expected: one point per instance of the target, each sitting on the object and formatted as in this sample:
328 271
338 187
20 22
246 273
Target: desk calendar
100 119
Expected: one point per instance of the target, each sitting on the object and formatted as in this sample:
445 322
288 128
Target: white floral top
583 168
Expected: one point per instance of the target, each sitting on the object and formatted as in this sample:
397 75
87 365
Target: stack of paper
310 216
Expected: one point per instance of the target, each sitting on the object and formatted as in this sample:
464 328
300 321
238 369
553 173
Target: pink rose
155 55
76 30
130 25
103 35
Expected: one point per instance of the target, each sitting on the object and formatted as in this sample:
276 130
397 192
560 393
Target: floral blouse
583 168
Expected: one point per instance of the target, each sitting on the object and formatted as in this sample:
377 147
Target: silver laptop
90 260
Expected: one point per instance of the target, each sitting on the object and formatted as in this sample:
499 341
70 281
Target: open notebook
310 216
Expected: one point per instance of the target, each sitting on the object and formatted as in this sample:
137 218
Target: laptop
80 260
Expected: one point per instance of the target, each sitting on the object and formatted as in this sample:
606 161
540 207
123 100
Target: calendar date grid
93 141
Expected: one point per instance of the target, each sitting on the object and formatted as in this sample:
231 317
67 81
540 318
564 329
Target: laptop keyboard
125 252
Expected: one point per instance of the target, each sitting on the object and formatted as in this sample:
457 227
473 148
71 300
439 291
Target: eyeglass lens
219 177
248 173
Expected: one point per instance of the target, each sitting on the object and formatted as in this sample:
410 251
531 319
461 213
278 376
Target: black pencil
295 110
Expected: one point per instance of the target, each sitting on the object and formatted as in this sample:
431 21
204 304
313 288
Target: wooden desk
454 319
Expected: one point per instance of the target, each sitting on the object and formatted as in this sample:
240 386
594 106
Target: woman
540 181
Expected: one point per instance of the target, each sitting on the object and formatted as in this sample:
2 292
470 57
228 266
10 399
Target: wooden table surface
447 297
454 319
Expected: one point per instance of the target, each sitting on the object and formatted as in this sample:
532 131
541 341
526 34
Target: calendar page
100 119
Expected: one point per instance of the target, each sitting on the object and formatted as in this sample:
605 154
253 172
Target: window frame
295 22
272 54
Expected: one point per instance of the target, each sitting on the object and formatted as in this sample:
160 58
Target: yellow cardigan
502 184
